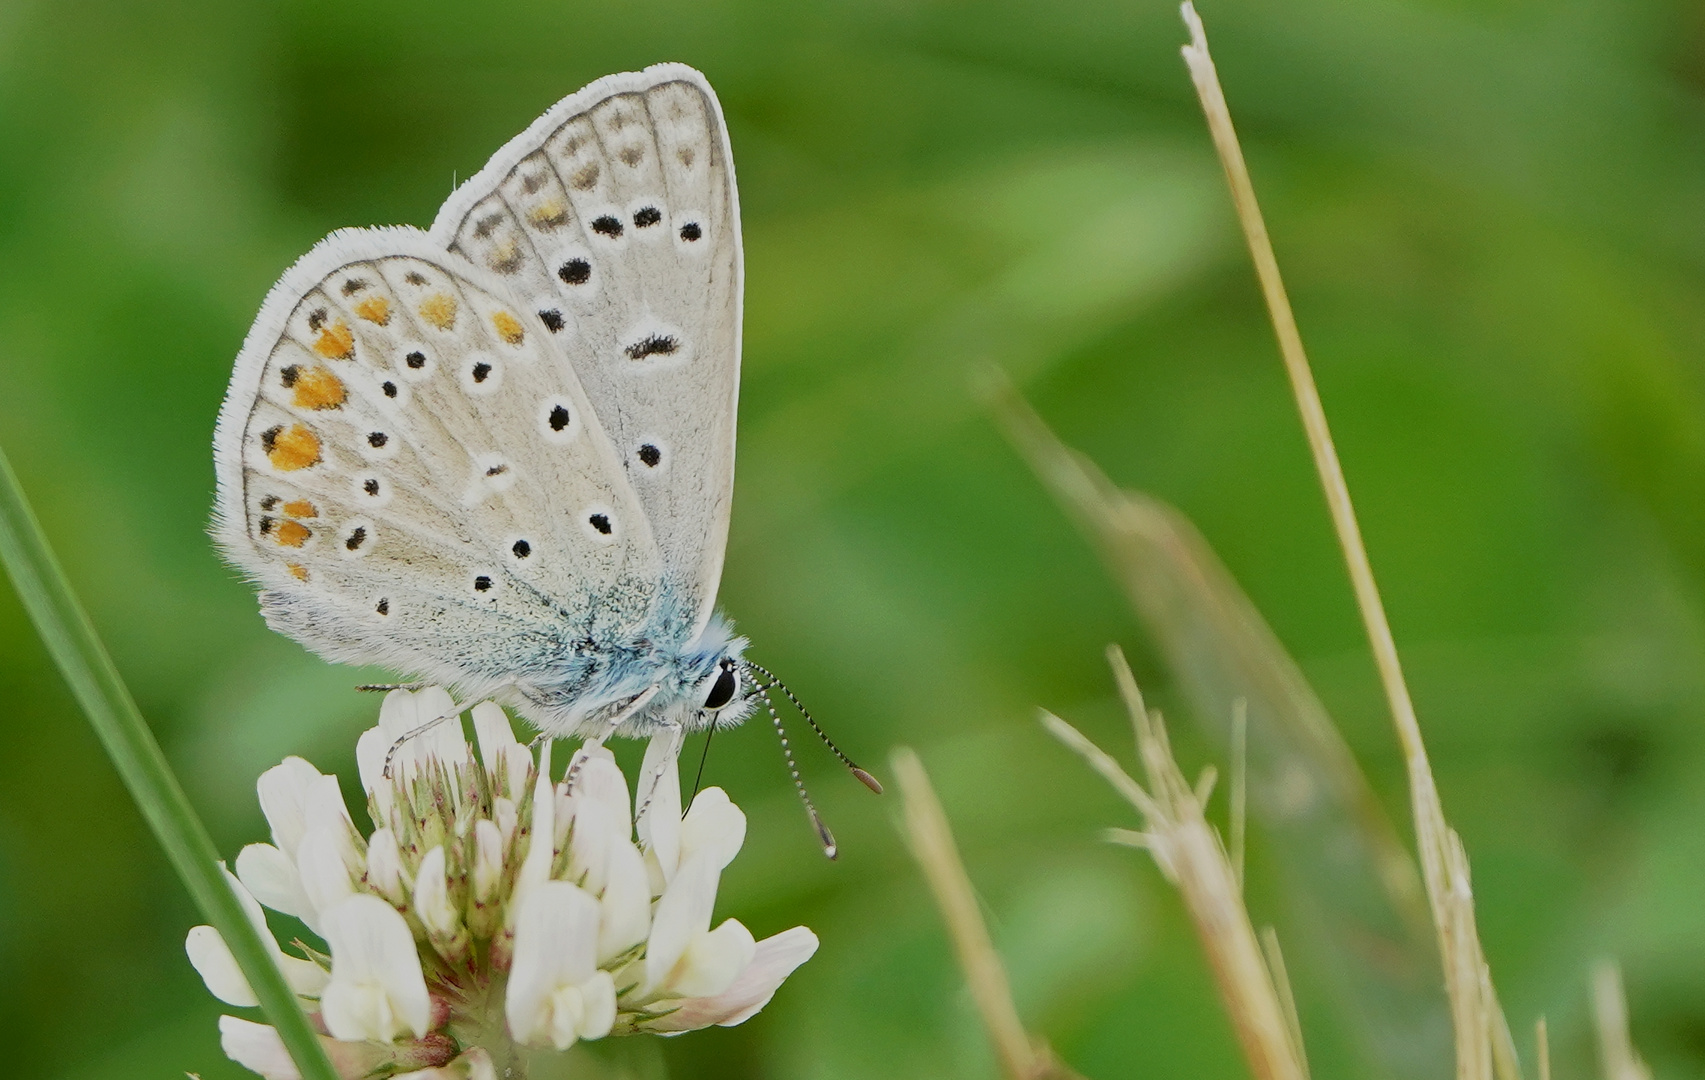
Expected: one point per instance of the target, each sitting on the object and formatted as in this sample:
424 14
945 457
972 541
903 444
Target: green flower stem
71 639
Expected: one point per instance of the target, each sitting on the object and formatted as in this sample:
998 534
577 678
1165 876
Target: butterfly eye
722 691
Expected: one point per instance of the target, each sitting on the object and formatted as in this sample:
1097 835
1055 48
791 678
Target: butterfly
499 454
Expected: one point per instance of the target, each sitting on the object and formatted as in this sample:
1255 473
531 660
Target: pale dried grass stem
1282 983
1618 1060
1188 851
1239 783
1484 1048
931 842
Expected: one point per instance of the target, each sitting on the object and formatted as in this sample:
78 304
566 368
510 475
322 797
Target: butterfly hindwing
614 219
411 470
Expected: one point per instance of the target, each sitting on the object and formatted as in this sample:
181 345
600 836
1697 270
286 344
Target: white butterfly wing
614 219
411 470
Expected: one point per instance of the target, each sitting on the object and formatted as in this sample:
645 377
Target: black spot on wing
652 345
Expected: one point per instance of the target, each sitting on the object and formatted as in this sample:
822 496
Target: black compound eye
722 691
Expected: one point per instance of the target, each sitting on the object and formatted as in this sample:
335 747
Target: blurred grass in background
1492 222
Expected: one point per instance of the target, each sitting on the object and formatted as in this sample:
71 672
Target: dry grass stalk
1189 852
1618 1059
931 843
1363 896
1484 1048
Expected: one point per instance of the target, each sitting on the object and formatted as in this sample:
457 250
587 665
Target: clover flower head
491 908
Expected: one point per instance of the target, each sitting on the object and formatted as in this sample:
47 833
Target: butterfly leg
387 687
417 731
606 729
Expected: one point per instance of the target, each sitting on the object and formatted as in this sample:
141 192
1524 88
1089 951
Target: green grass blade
71 640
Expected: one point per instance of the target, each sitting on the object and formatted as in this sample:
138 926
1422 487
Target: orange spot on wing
317 388
300 508
297 571
508 327
336 342
291 533
549 214
439 309
505 256
291 448
375 309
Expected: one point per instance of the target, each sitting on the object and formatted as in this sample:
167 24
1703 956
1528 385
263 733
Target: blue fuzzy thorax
598 676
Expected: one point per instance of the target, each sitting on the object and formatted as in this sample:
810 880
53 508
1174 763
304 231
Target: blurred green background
1492 219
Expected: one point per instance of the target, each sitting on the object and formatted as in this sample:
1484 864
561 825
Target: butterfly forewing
614 220
418 475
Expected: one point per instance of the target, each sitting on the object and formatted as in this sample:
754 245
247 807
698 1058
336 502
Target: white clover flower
491 908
